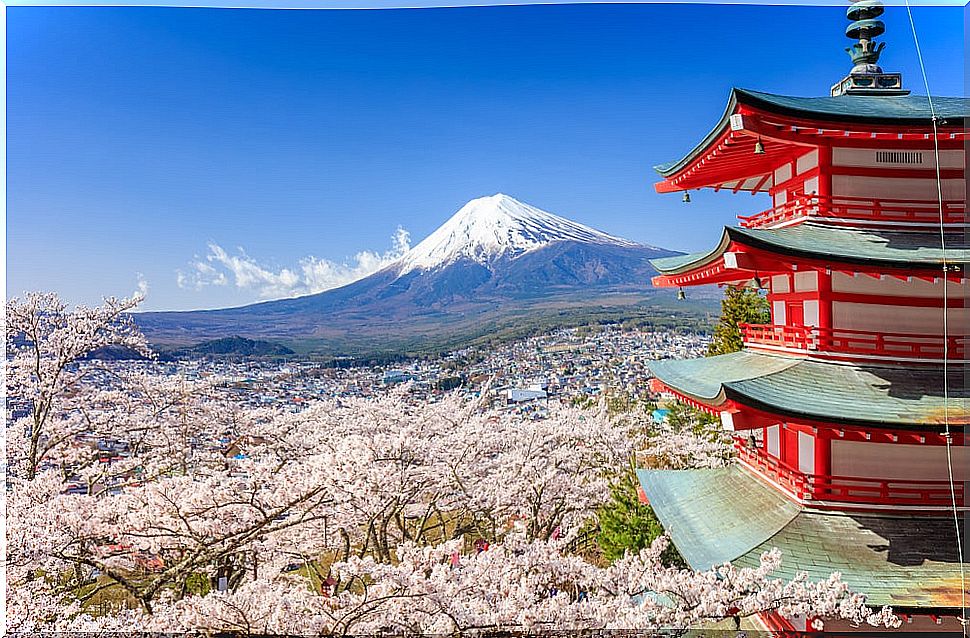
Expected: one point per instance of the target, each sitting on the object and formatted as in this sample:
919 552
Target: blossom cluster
351 516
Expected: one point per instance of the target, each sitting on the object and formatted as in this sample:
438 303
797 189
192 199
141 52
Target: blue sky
225 156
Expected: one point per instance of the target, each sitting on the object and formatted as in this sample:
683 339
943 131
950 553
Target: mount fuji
496 262
489 228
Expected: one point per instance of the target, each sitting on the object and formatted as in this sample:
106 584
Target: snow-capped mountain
487 228
496 262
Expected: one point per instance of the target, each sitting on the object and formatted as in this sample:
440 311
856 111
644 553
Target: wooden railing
793 482
833 343
893 211
851 490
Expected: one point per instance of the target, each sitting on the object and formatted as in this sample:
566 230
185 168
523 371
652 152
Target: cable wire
948 437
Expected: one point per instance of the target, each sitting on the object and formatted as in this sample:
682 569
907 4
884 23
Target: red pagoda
845 406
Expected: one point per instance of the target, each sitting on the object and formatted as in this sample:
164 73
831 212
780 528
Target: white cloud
202 274
141 289
313 275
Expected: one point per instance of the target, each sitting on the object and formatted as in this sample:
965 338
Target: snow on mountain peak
490 227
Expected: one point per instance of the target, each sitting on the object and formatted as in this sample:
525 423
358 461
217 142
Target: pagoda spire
865 28
866 76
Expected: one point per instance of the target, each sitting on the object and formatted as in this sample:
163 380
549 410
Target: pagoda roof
900 110
819 391
739 512
831 245
729 515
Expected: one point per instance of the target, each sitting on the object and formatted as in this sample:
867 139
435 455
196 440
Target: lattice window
899 157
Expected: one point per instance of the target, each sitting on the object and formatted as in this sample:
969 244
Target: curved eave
742 253
729 515
669 169
882 397
935 423
891 110
703 379
703 509
831 246
691 264
745 171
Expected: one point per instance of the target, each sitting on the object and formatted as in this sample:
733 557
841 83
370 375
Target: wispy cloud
312 275
142 287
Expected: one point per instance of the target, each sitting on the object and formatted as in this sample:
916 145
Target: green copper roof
877 247
714 516
703 378
890 109
873 109
905 562
681 262
832 244
729 515
880 396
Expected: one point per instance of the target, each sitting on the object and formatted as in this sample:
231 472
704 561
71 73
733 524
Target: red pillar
824 308
823 459
824 171
823 453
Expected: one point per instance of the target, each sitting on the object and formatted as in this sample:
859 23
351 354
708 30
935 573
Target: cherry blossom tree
164 527
515 586
172 500
202 509
44 342
686 439
356 474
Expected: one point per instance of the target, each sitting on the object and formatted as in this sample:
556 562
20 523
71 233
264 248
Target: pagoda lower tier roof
819 391
727 514
832 246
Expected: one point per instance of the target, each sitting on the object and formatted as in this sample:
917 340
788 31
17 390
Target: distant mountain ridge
240 346
495 257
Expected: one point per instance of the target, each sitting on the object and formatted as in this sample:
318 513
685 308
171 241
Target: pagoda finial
864 28
866 76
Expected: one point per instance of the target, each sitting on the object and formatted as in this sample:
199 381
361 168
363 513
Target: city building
849 408
524 395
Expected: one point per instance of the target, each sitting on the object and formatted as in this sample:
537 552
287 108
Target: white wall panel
778 313
897 461
866 157
889 318
806 162
806 453
779 283
783 173
811 186
897 188
864 284
773 447
810 307
806 281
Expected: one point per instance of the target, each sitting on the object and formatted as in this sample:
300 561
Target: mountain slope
495 258
487 228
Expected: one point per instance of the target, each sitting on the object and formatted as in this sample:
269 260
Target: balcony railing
853 491
854 344
860 209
